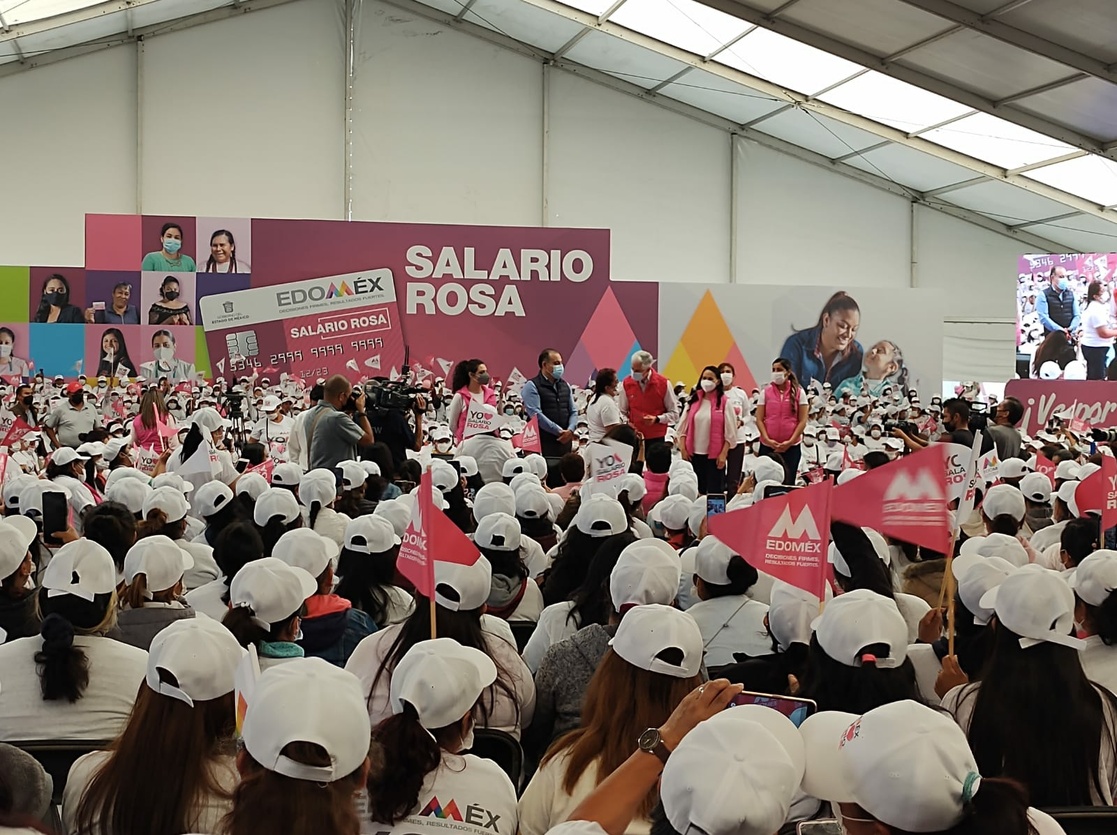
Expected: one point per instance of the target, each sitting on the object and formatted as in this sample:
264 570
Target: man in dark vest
549 397
1056 305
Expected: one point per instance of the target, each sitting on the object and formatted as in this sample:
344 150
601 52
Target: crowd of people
199 588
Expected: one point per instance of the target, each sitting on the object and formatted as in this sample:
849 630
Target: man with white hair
646 400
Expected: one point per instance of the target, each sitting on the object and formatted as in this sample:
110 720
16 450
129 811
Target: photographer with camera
337 425
389 419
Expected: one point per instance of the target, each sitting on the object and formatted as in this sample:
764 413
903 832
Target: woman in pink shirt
709 431
781 417
145 426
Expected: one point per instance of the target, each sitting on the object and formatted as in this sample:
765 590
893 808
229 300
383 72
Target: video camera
383 395
905 426
234 404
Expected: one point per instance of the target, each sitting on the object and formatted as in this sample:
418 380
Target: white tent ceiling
1003 108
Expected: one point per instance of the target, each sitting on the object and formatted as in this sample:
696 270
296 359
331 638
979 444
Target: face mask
708 385
28 401
726 378
831 442
467 739
557 370
102 465
172 245
638 376
875 433
484 379
442 446
164 354
807 441
56 299
779 378
171 295
77 400
509 411
5 349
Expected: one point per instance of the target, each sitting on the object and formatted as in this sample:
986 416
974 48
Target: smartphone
56 511
795 709
820 827
715 503
778 490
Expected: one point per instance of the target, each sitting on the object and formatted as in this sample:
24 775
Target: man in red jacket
647 402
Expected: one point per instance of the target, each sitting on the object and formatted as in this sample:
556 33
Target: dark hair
867 569
505 563
461 373
592 600
236 546
834 686
719 388
316 391
112 526
380 454
572 561
274 528
837 303
544 355
166 333
789 369
211 264
1103 619
572 466
605 378
63 668
170 279
742 577
1080 538
410 471
43 313
1014 410
1093 291
627 435
957 406
365 579
875 458
167 227
238 620
9 332
1043 689
1054 348
54 470
157 524
459 511
658 458
254 454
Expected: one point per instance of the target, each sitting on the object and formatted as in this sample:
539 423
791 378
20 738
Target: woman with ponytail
276 512
417 752
17 590
267 600
153 570
318 494
70 681
1096 611
165 513
903 768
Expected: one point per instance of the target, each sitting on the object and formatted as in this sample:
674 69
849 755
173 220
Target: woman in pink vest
153 414
709 432
470 382
781 417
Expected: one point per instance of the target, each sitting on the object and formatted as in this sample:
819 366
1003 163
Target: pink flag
1098 492
529 438
20 427
165 431
785 536
428 533
1046 466
266 469
906 499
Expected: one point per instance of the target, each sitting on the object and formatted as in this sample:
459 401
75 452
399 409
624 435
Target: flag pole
948 588
434 616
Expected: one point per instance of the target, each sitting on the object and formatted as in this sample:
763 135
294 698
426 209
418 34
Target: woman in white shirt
367 567
417 752
742 408
70 681
1097 334
67 470
180 735
1095 610
654 659
603 414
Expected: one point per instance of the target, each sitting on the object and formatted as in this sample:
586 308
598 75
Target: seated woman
514 595
180 734
153 570
318 494
1095 609
70 681
267 599
418 751
367 567
17 590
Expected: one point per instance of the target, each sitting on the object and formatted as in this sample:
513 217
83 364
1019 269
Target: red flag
118 407
906 499
428 533
165 431
1098 492
266 469
1046 466
785 536
529 438
20 427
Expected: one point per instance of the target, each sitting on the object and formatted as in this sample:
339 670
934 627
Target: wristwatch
651 742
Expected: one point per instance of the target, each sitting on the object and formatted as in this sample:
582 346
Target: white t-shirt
475 798
601 413
553 626
731 624
1095 316
700 428
1099 662
740 406
270 430
209 813
115 672
545 803
504 715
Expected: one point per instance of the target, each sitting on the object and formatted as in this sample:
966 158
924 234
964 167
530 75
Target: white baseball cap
1066 470
513 467
536 464
1065 494
126 472
679 468
353 475
31 496
734 774
444 476
468 464
12 488
271 404
170 501
81 568
647 571
633 485
200 654
172 480
600 516
499 532
494 497
303 548
212 496
441 680
370 534
1003 499
1036 604
67 455
287 474
523 480
470 584
113 448
397 513
711 560
318 486
1036 487
1001 545
441 433
858 619
683 487
880 548
645 632
272 589
532 503
768 469
791 611
16 535
672 512
251 484
904 763
308 700
846 476
130 492
160 560
437 497
275 501
1086 470
976 574
1013 468
1095 578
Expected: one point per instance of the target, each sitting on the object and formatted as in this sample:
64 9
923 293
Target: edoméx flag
529 438
431 536
906 499
20 427
1098 492
785 536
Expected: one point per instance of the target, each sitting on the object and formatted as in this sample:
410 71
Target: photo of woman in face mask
9 362
171 309
54 303
169 258
114 360
166 364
